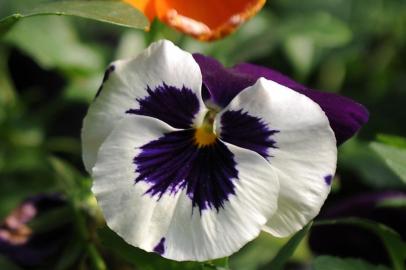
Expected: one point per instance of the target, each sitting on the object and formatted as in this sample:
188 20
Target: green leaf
396 141
304 36
392 241
300 49
323 28
54 44
260 252
71 181
393 202
334 263
139 258
65 175
394 157
114 12
219 264
7 23
77 190
287 250
8 96
357 157
258 33
70 254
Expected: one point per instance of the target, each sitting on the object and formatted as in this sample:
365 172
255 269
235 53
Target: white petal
143 221
305 155
162 62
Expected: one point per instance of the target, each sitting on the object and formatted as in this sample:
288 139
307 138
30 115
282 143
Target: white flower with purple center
192 160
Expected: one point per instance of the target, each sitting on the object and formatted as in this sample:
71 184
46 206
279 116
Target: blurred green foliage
395 247
51 68
333 263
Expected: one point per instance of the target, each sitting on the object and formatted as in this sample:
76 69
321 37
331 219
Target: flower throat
204 134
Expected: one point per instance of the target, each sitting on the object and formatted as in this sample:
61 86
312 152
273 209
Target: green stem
69 180
95 258
153 33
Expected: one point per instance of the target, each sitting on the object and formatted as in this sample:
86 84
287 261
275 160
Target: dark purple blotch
106 76
174 162
160 247
246 131
176 107
328 179
223 84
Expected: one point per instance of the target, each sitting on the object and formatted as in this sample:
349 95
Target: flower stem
95 258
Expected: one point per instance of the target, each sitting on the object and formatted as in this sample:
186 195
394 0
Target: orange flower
202 19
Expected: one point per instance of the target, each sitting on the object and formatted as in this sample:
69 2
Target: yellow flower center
204 135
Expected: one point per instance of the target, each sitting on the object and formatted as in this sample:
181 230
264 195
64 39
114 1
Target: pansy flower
27 246
192 160
204 20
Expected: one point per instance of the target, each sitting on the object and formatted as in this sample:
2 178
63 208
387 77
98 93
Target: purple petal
39 247
222 84
346 116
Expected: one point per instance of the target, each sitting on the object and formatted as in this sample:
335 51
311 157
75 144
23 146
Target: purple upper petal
223 84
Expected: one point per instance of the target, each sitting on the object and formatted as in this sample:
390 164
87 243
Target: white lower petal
143 221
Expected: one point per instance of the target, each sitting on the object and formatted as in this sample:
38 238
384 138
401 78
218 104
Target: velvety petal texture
191 160
345 115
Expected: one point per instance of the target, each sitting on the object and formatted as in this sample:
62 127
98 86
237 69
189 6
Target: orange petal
208 19
147 7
